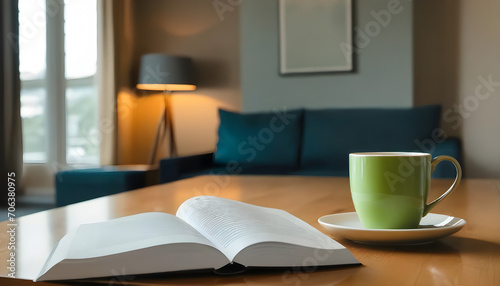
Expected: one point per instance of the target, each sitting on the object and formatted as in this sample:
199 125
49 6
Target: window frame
39 179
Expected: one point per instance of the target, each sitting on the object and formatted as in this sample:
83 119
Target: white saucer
432 227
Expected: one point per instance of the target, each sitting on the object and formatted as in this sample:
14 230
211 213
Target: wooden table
469 257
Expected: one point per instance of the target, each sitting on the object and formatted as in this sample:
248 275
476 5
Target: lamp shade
165 72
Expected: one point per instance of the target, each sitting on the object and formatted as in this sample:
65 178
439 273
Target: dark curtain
11 145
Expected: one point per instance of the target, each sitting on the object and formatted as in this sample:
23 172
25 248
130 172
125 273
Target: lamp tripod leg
165 124
170 125
159 134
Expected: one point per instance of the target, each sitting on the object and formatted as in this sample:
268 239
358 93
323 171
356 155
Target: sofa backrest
329 135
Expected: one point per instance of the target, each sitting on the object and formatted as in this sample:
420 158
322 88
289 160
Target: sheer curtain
115 35
11 144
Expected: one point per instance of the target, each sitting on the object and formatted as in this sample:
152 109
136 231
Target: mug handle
434 163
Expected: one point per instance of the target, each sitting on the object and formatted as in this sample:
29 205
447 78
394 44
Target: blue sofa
315 142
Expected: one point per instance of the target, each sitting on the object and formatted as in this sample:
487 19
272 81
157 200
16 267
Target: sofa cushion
260 139
330 135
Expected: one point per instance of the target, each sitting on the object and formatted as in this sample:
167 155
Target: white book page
122 242
233 226
131 233
122 235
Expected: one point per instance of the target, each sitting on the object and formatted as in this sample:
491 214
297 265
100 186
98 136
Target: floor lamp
165 73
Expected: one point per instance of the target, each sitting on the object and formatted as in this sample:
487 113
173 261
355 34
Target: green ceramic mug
389 189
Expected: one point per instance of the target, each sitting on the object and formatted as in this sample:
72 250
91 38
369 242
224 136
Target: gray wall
383 76
454 56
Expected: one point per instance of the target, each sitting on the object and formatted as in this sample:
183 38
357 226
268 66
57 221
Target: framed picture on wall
315 36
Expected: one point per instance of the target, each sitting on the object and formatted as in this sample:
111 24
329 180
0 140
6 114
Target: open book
207 233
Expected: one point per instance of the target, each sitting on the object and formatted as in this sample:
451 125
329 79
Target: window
59 104
32 45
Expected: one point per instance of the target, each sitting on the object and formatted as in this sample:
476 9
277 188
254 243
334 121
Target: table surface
469 257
